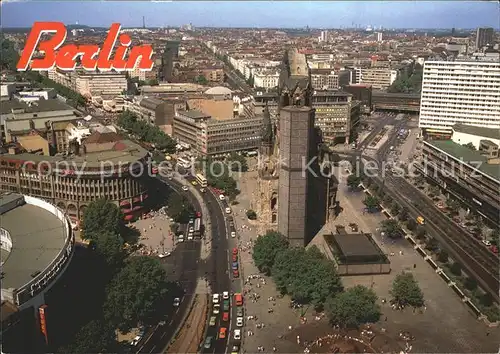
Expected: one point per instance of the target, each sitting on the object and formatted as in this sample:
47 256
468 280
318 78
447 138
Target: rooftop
34 244
355 248
467 155
478 131
37 106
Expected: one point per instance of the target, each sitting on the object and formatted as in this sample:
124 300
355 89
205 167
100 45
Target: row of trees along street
318 284
131 290
393 228
142 131
219 174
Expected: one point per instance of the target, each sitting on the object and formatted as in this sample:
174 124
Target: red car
198 214
236 273
235 258
225 316
235 251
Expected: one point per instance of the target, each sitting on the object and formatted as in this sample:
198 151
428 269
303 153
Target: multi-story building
103 166
379 36
362 93
210 136
379 78
267 79
395 101
324 79
471 176
101 83
464 92
484 37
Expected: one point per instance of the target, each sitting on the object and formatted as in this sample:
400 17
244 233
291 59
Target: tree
456 269
453 205
237 162
265 249
403 215
354 307
179 208
406 291
110 246
137 294
387 200
391 228
470 284
251 215
353 181
420 232
469 146
411 224
372 203
101 216
95 337
443 256
434 191
395 208
335 158
432 244
201 79
486 299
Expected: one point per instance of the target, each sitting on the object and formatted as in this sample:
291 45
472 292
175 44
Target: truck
197 227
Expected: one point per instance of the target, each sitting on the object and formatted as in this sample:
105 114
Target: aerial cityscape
250 177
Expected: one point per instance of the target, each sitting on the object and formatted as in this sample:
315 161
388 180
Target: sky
316 14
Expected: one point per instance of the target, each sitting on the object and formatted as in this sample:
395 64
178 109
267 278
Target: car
231 223
194 183
225 295
198 214
235 258
202 190
215 298
177 302
237 334
226 305
216 309
185 188
163 255
225 316
233 234
222 332
236 273
486 242
221 197
235 349
228 210
213 319
208 342
235 250
190 237
239 321
235 266
135 341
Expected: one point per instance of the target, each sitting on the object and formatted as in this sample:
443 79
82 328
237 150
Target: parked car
239 321
213 319
208 342
185 188
177 302
225 316
222 333
236 273
237 334
136 340
225 295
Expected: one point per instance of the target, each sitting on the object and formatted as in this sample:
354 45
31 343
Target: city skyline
267 14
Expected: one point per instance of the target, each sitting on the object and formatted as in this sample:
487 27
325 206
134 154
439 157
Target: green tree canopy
372 202
218 175
391 228
316 281
101 216
454 205
353 181
237 162
179 208
266 248
354 307
137 293
251 214
110 246
403 215
406 291
96 336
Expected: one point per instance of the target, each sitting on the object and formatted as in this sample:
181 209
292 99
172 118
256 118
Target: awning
137 199
127 211
125 202
137 208
129 217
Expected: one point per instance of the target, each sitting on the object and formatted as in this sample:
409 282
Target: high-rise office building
484 37
463 92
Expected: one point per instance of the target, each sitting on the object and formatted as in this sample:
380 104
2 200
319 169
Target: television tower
143 22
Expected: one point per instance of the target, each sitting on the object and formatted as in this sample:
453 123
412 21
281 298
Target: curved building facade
102 167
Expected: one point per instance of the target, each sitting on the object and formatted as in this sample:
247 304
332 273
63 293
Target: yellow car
194 183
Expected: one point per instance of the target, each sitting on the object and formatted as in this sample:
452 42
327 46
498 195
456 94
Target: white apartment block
379 78
466 92
101 83
266 79
325 81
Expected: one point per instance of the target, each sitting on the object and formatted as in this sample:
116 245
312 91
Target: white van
228 210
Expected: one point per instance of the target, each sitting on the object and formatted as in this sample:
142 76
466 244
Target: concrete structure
155 111
467 174
324 79
362 93
468 134
401 102
7 89
35 95
379 37
210 136
485 37
103 166
379 78
267 79
91 84
357 254
459 92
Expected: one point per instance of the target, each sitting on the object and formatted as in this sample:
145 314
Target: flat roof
484 132
34 244
467 155
356 245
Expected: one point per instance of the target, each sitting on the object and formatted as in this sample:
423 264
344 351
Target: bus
185 163
202 181
420 220
197 227
252 153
